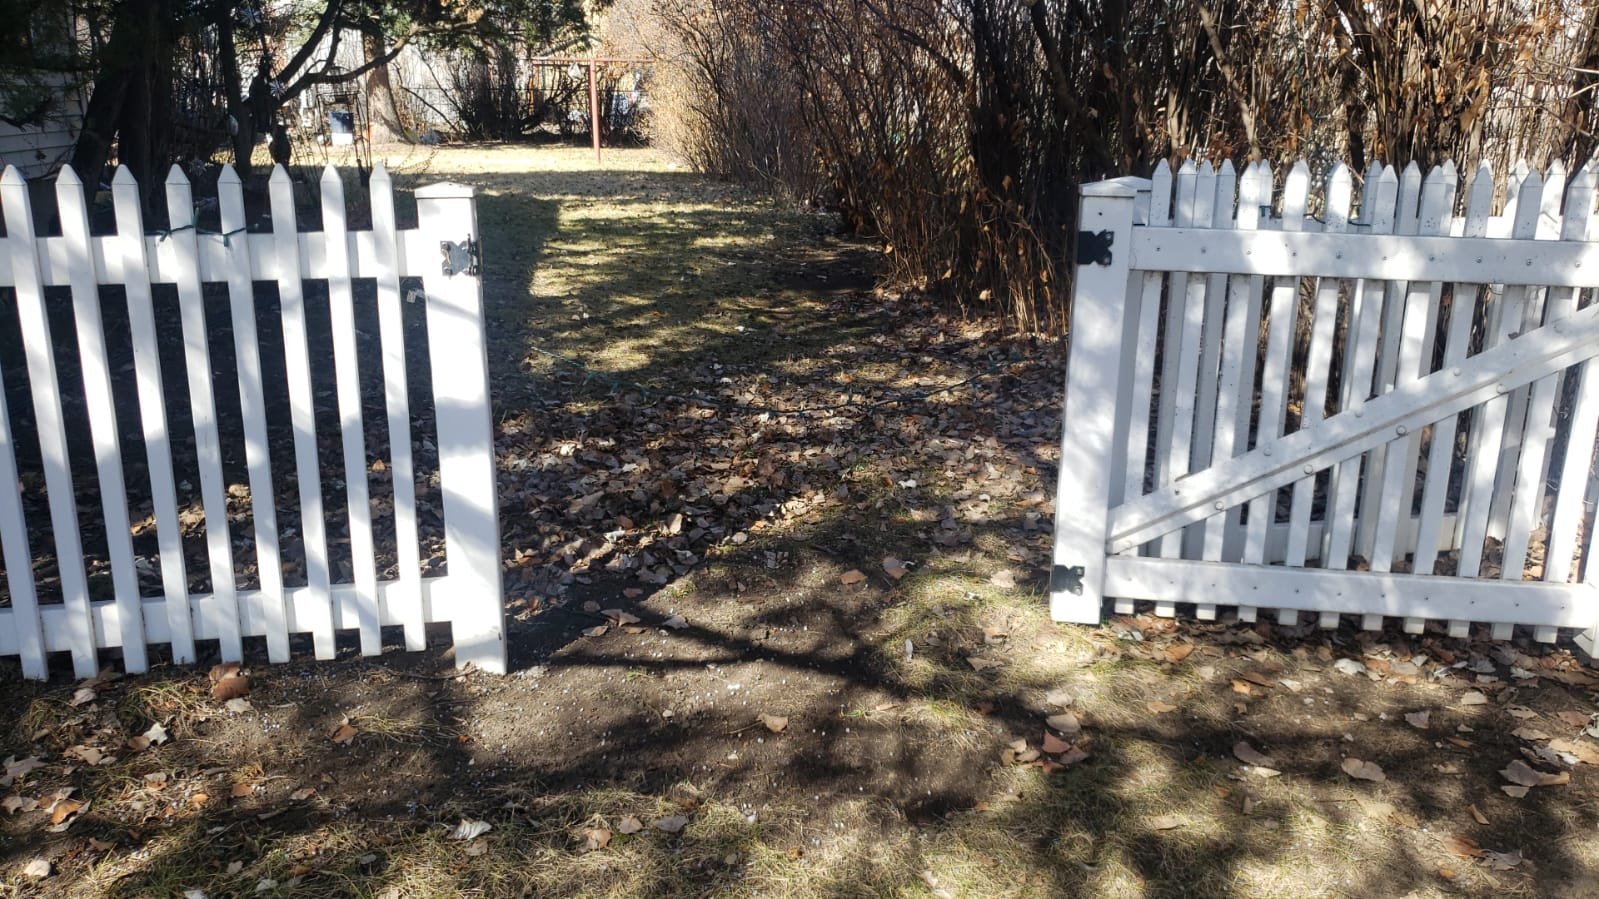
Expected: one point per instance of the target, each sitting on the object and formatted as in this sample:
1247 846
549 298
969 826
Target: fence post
457 344
1095 368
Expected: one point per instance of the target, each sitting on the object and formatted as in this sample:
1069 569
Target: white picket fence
468 597
1389 415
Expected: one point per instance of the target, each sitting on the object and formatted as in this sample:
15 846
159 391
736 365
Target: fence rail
330 262
1388 414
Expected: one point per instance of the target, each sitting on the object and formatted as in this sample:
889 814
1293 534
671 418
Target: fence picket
1222 213
1407 220
1186 387
1313 406
1419 314
347 377
23 616
133 272
1176 294
43 383
1435 486
291 295
1483 458
407 600
252 404
1237 343
1367 311
1279 351
223 613
90 327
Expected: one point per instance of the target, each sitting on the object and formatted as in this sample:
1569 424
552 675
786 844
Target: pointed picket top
1384 197
1437 200
13 176
1160 194
175 175
1248 216
1187 189
123 177
280 175
1529 193
1409 199
228 175
1205 168
1188 167
380 172
1554 190
1480 197
65 175
331 174
1340 191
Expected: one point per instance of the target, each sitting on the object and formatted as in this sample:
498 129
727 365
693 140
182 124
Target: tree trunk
383 115
129 51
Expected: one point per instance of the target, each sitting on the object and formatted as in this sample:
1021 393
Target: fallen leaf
238 705
1574 719
630 824
1473 697
1522 712
1501 861
199 799
597 630
619 617
243 790
303 794
64 809
1463 846
1349 666
1166 822
344 734
1514 791
1243 686
979 663
17 770
671 824
1005 579
230 688
138 744
81 696
1065 722
1584 751
1418 719
38 869
676 623
470 830
894 568
1530 734
156 734
1249 755
852 577
774 723
1522 774
1161 708
596 838
1363 770
1055 745
1477 815
1179 651
477 848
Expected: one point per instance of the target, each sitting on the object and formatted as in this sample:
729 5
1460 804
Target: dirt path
802 653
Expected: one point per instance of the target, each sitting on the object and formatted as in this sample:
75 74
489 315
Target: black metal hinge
464 258
1067 579
1093 247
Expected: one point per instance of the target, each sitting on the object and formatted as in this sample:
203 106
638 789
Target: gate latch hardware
1093 247
1067 579
464 258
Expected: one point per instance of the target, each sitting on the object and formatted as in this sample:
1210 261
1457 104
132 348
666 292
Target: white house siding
41 149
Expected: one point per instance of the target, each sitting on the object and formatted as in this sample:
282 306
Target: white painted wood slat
202 405
396 395
313 528
90 327
44 386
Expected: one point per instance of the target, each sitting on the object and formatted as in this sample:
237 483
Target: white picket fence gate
1390 416
468 597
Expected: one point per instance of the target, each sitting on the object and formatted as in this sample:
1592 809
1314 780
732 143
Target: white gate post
458 352
1095 368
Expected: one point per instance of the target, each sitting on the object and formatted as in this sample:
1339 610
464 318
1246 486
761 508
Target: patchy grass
652 332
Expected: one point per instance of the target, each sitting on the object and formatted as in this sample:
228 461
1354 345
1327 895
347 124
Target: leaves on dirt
597 630
1522 774
1065 722
894 568
469 829
596 838
1501 861
676 622
774 723
1055 745
979 663
630 825
1463 846
670 824
1161 708
38 869
1419 720
1361 770
1249 755
1477 815
344 734
852 577
1473 697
